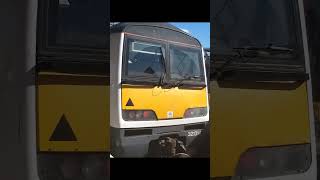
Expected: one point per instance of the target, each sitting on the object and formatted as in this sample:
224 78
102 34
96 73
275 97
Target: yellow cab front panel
73 113
162 100
248 118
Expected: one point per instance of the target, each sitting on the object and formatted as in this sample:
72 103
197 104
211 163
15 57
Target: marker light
274 161
195 112
138 115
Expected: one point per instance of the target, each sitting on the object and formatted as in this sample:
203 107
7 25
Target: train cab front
160 102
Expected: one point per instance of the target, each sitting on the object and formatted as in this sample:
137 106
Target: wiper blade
141 78
280 48
248 53
267 52
161 80
186 78
266 48
164 72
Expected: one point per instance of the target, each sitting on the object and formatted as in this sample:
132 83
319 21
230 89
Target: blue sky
201 31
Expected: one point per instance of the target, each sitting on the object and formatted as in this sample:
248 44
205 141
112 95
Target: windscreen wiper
270 48
164 72
180 82
139 78
270 52
245 54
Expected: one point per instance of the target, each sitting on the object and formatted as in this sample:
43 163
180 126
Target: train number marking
194 133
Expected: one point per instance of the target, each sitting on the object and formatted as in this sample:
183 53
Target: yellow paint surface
86 107
245 118
162 101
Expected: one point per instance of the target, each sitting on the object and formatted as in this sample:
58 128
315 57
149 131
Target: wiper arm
230 58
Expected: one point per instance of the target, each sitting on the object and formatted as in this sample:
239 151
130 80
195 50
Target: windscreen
144 59
258 23
79 23
185 62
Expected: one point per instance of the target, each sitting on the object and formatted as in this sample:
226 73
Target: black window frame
166 44
47 52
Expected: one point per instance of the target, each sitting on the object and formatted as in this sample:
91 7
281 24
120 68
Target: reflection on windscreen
78 23
240 23
184 63
144 59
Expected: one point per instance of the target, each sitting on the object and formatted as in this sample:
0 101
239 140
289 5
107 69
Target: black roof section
121 27
163 31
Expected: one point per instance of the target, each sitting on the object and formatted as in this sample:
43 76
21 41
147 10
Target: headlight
138 115
195 112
